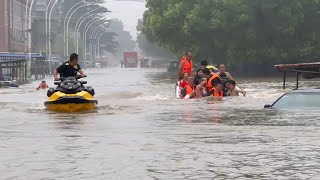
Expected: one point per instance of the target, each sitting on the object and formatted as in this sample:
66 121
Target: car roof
305 91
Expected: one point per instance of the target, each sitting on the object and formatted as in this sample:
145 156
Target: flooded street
140 131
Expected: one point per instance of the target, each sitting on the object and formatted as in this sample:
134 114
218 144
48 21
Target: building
41 6
38 24
12 25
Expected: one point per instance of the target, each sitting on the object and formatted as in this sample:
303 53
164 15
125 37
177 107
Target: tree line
248 34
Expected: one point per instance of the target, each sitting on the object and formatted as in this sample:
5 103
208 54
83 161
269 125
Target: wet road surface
139 131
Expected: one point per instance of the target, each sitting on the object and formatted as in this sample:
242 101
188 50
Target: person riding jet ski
69 68
70 95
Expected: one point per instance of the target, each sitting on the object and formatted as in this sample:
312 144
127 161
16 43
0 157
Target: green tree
122 37
249 32
149 48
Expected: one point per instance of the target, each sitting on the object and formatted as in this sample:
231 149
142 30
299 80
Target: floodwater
139 131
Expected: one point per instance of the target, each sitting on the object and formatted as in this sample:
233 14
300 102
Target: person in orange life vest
186 65
184 57
188 91
184 81
43 85
217 88
190 86
212 78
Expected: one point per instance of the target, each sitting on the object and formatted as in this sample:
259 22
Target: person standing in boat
184 57
186 65
69 68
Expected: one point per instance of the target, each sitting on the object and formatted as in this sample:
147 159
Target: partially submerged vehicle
306 98
71 95
173 67
298 99
6 81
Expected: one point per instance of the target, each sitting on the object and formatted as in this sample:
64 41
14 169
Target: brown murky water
140 131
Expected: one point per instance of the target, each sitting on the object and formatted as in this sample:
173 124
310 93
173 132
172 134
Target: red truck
130 59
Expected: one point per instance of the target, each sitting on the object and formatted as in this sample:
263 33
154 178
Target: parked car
6 81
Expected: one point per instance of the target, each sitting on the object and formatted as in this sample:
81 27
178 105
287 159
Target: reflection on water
139 131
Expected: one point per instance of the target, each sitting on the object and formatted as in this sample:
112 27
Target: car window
297 100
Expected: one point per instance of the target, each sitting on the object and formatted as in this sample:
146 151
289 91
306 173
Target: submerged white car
303 98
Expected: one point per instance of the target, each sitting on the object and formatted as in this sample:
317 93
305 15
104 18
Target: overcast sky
128 11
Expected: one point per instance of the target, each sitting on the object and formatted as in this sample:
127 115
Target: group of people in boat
207 81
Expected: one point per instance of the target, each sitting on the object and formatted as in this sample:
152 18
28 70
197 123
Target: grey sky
128 11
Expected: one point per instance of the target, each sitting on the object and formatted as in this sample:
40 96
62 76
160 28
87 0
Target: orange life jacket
216 93
187 67
183 59
189 89
209 82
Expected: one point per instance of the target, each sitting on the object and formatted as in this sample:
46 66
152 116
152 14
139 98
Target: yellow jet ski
71 96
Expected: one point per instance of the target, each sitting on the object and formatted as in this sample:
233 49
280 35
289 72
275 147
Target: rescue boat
71 95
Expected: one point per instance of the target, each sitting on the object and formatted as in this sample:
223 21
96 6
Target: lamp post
50 42
99 35
46 18
93 57
26 27
64 24
85 30
29 38
93 35
67 29
78 29
78 24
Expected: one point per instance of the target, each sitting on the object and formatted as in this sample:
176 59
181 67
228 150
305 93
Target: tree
249 32
122 37
149 48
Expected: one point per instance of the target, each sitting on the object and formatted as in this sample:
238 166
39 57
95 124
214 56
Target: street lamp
96 30
78 29
64 24
98 34
26 26
85 30
67 30
46 18
85 34
93 46
99 38
78 24
50 42
28 30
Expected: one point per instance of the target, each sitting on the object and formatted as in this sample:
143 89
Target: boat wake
157 97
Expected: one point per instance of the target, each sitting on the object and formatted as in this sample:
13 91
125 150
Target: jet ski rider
69 68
